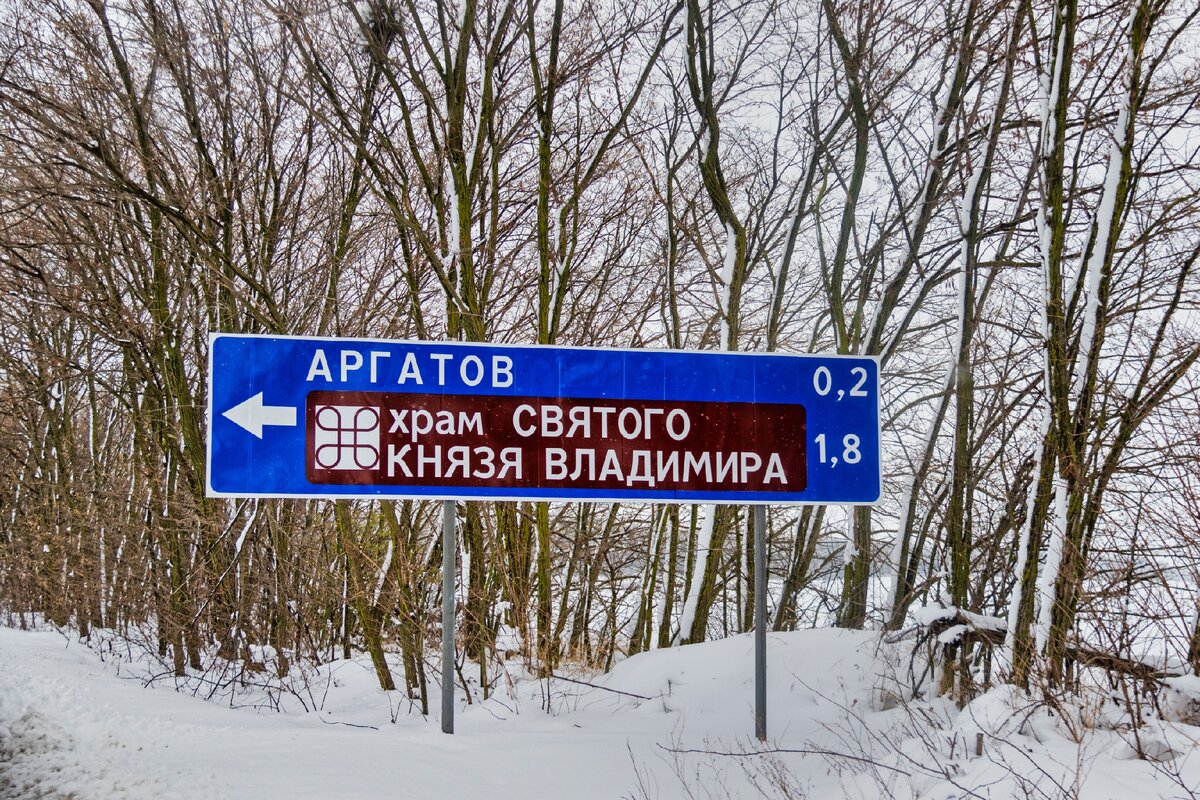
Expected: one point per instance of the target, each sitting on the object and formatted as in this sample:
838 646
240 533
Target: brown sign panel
400 439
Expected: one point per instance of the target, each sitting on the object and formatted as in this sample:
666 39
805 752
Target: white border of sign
210 492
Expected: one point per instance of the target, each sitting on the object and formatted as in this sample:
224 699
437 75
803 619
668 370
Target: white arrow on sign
253 415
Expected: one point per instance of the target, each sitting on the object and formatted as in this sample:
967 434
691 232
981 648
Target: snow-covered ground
74 724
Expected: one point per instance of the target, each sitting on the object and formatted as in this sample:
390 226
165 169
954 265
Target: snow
1007 653
1048 577
384 568
453 234
1027 746
1103 223
82 722
241 539
1182 702
850 550
72 723
928 615
703 542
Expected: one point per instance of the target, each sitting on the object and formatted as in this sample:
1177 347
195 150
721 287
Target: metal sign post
449 548
760 622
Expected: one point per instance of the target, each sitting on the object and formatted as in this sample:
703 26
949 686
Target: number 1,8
850 451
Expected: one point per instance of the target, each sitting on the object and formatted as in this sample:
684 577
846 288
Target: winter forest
997 198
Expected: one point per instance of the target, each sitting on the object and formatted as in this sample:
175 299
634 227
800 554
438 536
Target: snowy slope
72 725
69 723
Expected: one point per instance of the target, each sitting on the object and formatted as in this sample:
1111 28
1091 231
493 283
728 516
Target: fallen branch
347 724
992 634
990 630
598 686
1090 657
795 751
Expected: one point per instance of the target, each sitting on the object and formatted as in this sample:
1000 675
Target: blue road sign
341 418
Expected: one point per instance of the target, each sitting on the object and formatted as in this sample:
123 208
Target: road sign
339 418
